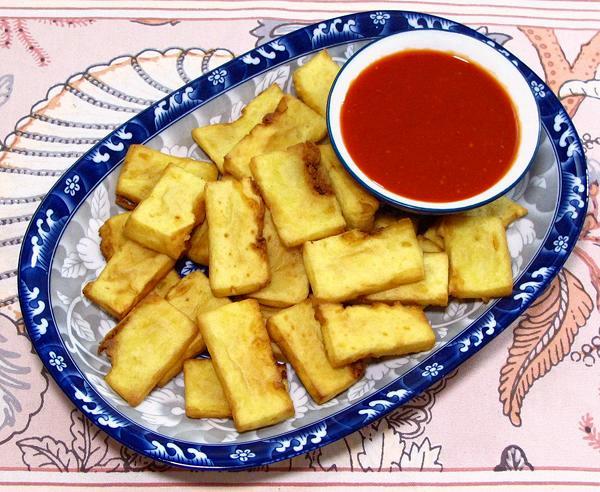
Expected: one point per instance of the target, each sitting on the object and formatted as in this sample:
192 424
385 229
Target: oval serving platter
61 253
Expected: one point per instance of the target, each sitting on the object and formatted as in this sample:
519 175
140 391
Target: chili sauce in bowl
433 121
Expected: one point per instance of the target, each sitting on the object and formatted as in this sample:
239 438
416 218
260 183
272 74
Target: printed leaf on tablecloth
542 339
89 443
410 419
378 448
47 452
513 458
421 457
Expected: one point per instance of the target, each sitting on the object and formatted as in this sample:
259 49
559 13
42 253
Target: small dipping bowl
469 49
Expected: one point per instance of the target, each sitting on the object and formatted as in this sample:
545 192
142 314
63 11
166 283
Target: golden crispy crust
124 202
317 177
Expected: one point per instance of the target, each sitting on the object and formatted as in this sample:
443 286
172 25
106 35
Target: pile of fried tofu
305 267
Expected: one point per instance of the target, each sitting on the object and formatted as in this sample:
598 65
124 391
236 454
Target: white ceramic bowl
463 46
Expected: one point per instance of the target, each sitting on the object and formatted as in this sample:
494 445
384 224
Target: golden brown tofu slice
164 220
428 246
289 283
298 334
384 218
504 208
217 140
144 345
356 332
143 168
293 122
268 311
192 295
431 291
479 259
355 263
204 395
298 194
165 285
432 234
198 250
238 257
240 349
358 207
131 273
313 81
111 234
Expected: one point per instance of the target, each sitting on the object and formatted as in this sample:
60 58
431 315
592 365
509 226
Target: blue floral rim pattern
72 189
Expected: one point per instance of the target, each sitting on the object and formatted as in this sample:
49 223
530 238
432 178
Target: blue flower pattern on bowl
561 244
57 361
72 185
41 241
242 455
432 370
218 76
380 17
538 89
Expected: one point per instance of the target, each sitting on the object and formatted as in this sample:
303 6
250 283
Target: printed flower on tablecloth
432 370
72 185
379 17
242 455
57 361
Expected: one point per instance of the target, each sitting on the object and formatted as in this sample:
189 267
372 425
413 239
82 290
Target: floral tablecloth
523 412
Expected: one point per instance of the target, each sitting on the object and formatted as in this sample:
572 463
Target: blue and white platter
61 253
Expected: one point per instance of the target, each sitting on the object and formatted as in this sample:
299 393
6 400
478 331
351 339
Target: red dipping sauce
430 126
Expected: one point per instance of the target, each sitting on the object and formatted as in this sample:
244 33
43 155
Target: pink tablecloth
526 410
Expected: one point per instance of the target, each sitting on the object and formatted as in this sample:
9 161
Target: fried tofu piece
433 235
268 311
198 250
289 283
131 273
217 140
343 267
504 208
164 220
111 234
298 194
358 207
143 168
431 291
238 257
357 332
293 122
428 246
386 217
144 345
314 79
192 295
246 368
298 334
277 353
477 249
204 395
166 283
